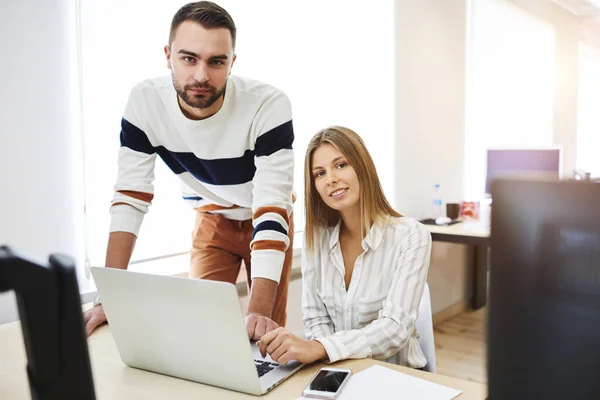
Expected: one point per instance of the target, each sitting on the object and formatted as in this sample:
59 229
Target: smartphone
327 383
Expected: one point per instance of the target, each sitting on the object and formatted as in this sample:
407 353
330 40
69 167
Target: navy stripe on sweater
281 137
222 171
269 226
134 138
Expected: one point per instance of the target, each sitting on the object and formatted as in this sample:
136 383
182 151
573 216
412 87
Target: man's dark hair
207 14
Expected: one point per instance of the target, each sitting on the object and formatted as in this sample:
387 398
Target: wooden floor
461 346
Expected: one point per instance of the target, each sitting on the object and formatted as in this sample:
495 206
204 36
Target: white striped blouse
376 317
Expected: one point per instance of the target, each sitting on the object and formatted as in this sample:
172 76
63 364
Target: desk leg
479 262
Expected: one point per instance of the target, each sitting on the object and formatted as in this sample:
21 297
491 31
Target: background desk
478 239
114 381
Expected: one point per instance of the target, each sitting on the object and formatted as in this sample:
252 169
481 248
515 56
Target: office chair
424 326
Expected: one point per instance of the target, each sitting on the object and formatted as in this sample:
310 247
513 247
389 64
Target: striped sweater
238 162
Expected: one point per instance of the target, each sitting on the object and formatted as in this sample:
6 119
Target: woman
364 266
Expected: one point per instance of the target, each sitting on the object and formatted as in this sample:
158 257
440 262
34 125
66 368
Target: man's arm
118 253
133 195
119 249
260 308
272 208
262 297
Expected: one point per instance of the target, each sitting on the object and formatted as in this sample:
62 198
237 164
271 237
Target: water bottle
436 202
486 211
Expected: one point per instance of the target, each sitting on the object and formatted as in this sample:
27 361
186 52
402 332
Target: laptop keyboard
262 367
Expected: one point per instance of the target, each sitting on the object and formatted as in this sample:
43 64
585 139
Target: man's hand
93 318
257 325
118 254
260 306
284 347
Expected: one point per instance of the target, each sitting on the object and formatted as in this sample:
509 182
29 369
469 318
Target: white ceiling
581 8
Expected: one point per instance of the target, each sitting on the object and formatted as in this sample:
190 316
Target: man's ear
168 55
232 61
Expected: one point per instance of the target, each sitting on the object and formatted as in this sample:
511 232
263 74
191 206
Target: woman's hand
284 346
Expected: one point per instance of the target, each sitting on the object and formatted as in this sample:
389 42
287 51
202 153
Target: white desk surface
474 229
113 380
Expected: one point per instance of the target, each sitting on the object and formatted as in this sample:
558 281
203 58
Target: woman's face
335 179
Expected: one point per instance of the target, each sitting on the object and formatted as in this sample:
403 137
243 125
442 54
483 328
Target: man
229 140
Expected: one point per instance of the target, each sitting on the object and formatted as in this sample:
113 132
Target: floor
461 346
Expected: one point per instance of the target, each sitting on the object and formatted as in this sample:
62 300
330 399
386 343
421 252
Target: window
510 85
336 70
588 124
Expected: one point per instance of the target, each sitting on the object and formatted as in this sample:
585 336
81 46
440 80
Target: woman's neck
351 224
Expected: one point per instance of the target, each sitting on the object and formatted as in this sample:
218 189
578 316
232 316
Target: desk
477 238
114 381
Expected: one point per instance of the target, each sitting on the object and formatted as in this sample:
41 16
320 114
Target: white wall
431 68
591 31
430 114
430 102
569 31
430 126
39 166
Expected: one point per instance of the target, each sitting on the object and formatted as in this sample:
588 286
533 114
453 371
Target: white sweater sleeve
133 190
273 183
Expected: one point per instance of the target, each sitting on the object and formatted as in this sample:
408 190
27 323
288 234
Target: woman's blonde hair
373 203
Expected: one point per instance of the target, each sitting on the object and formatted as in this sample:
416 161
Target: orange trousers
218 247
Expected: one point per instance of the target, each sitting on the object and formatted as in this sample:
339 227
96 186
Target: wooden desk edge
106 365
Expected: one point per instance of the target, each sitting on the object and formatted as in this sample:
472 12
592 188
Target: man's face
200 61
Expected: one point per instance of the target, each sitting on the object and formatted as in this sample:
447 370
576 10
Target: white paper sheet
383 383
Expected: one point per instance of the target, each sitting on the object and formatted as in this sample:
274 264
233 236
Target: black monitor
58 365
544 306
523 163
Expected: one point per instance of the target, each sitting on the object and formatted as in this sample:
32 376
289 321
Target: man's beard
201 100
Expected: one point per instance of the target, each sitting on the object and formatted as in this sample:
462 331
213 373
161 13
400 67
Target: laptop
186 328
